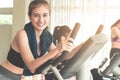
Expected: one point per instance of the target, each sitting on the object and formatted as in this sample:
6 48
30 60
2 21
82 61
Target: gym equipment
91 46
113 67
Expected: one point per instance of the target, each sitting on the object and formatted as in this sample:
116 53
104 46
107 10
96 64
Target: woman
59 31
63 32
115 39
32 46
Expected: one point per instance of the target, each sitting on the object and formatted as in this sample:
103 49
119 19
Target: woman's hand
66 44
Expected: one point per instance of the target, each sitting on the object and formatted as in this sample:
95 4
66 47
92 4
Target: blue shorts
7 75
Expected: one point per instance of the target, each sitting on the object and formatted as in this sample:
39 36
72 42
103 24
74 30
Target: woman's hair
37 3
60 31
115 24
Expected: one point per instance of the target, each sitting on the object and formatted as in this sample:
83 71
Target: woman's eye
36 15
45 15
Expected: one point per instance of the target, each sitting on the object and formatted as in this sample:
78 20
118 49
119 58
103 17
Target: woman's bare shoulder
21 36
21 31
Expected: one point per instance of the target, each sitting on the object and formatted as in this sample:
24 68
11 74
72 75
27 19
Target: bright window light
6 3
5 19
5 11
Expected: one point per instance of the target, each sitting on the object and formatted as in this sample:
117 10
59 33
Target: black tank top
15 58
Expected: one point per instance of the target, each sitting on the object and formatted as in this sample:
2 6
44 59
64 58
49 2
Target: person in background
33 45
58 33
115 40
62 32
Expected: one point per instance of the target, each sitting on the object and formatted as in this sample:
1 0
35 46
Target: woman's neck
38 33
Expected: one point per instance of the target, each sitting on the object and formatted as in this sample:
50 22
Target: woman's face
40 18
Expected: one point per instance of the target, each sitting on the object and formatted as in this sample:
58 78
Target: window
6 3
6 11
